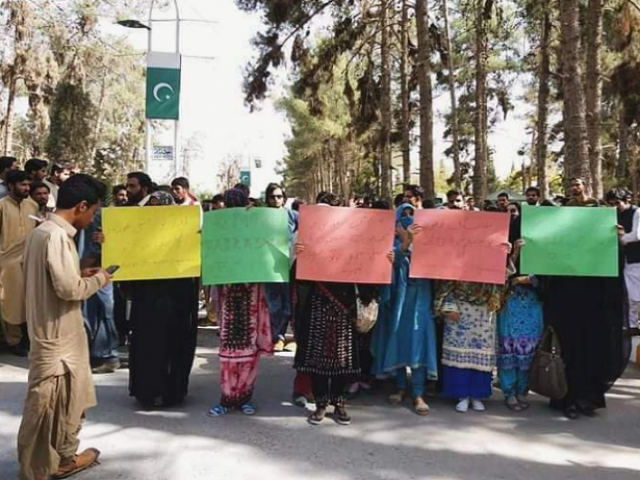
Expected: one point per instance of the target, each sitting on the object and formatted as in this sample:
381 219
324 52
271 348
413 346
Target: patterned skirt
325 331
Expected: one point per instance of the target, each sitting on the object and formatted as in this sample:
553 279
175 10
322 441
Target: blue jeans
418 379
100 325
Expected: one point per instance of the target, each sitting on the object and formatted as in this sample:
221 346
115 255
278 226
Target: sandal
421 407
248 408
523 402
218 411
513 405
341 416
397 398
317 417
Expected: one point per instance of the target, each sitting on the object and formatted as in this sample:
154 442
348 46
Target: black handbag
548 376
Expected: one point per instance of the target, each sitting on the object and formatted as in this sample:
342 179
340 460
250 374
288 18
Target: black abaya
164 328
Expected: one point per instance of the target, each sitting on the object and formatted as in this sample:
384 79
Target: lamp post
147 127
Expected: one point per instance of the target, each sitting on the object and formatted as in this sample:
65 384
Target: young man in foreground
60 386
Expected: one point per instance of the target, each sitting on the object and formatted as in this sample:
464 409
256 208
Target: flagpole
147 123
176 140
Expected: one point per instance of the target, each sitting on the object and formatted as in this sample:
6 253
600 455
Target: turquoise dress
405 334
520 326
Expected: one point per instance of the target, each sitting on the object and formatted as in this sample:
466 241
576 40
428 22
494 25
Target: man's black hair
56 168
181 182
6 163
117 189
35 164
503 194
36 185
217 198
328 198
80 188
16 176
417 190
380 205
453 193
532 189
143 179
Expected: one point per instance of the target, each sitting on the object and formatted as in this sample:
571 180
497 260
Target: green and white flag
163 86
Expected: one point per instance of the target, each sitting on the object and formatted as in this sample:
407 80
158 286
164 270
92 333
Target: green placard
571 241
245 246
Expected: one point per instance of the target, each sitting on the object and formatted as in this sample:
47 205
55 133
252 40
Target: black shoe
587 410
571 413
19 350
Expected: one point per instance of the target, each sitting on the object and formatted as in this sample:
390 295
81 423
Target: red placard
461 245
348 245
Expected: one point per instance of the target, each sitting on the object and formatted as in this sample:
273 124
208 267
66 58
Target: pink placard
461 245
348 245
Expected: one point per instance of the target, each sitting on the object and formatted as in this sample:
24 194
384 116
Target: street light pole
148 130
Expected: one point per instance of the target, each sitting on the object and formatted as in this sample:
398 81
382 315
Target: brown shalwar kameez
15 225
60 384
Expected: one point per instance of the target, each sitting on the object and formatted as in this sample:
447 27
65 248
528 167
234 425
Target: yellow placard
151 243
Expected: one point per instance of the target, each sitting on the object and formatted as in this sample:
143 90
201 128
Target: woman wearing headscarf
405 334
245 334
164 329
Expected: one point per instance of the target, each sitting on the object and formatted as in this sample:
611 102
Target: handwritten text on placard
461 245
345 244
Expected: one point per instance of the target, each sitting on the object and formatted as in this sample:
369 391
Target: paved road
383 443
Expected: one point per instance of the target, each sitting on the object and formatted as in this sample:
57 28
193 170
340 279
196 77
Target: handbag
367 314
547 376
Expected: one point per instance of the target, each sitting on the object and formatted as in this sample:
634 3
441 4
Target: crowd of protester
449 338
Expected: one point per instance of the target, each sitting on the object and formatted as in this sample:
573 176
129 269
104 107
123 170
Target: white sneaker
477 405
463 405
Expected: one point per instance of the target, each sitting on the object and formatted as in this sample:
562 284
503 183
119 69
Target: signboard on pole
245 177
162 152
163 86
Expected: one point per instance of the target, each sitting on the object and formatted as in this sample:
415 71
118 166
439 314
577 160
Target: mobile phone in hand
112 269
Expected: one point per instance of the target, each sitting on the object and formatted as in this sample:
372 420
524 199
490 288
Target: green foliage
72 121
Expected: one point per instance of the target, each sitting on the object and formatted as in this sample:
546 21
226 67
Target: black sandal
317 417
341 416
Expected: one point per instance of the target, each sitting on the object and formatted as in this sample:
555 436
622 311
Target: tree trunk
593 93
576 152
426 99
385 127
8 121
483 14
404 92
455 130
633 168
622 168
543 103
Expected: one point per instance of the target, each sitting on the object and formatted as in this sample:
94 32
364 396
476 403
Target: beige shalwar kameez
60 384
15 225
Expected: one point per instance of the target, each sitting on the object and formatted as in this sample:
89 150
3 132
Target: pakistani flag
163 86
